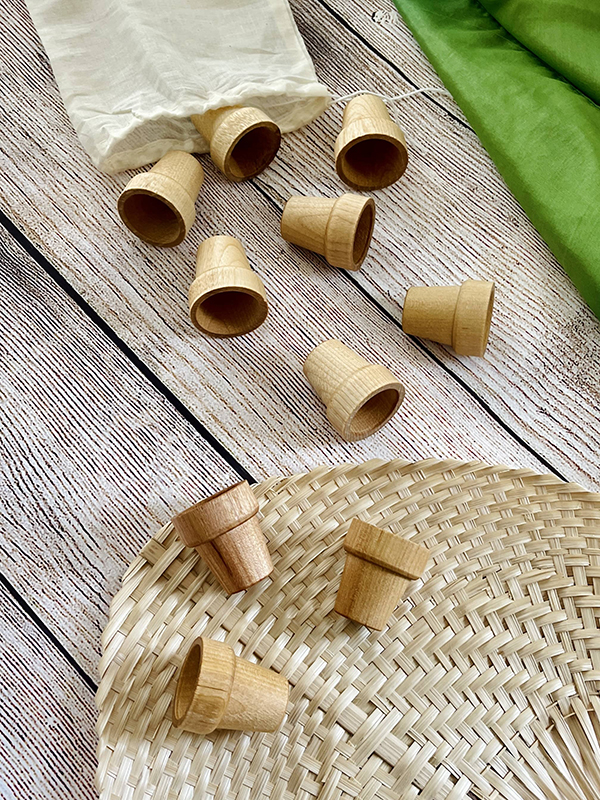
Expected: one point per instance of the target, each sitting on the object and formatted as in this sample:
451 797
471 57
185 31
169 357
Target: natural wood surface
218 690
242 141
140 292
450 217
116 413
370 150
444 232
93 458
47 715
225 530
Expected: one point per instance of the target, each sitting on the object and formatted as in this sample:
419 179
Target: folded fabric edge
568 238
290 109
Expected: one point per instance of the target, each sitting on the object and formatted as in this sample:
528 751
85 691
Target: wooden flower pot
225 530
159 205
378 569
360 397
459 316
339 229
243 141
218 690
370 151
226 298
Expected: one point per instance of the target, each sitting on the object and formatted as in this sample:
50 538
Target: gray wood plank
93 459
451 217
249 392
47 716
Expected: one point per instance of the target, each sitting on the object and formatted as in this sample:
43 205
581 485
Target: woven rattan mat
499 637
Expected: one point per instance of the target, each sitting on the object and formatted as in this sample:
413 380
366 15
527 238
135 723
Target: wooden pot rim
240 505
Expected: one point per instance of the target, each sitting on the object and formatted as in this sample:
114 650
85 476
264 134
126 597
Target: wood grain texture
92 458
92 448
217 690
250 392
360 397
159 205
449 218
226 297
370 150
243 141
47 716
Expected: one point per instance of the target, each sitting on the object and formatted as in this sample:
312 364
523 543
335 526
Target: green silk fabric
526 74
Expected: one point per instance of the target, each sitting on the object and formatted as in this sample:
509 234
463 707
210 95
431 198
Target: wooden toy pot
227 298
360 397
370 151
159 205
243 140
225 530
459 316
339 229
218 690
379 567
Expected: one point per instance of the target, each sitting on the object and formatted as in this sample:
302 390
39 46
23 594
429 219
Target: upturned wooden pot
378 569
243 140
218 690
459 316
340 229
226 298
159 205
226 532
370 151
360 397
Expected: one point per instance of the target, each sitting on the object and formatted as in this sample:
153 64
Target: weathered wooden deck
116 413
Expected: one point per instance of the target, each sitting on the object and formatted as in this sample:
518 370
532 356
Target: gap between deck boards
93 315
482 403
210 438
18 236
177 404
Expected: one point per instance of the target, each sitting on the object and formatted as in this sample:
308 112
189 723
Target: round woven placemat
499 637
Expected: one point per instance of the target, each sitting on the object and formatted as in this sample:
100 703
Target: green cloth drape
526 73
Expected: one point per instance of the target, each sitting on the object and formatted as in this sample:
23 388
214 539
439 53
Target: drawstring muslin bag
132 72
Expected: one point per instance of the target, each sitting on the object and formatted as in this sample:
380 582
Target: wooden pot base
243 140
159 205
218 690
340 229
225 530
378 569
459 316
360 397
370 151
226 298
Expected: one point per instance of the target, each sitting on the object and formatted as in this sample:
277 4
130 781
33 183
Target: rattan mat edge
500 634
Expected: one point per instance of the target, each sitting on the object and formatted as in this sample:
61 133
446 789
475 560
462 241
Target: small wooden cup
379 566
159 205
225 530
340 230
360 397
216 689
370 152
227 298
243 140
459 316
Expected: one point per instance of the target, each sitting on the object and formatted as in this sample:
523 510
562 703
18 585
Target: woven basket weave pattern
502 629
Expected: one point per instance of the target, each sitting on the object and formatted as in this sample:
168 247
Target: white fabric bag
131 72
